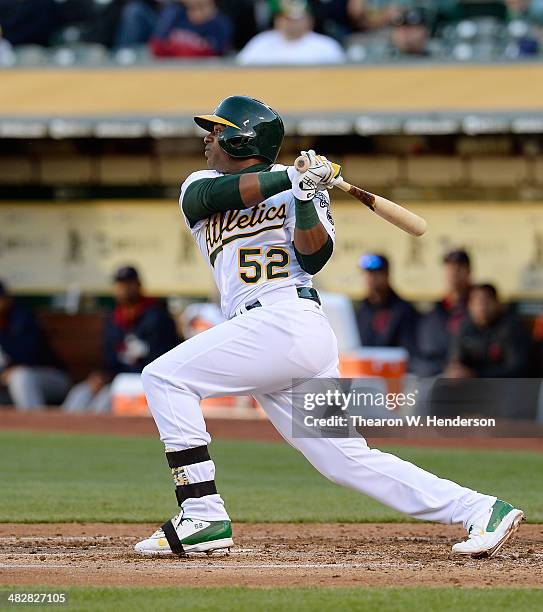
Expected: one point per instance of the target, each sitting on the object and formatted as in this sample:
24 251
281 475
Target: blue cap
373 262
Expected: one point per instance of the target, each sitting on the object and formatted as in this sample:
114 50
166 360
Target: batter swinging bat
393 213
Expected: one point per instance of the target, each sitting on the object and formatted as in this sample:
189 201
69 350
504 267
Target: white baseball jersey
260 353
251 251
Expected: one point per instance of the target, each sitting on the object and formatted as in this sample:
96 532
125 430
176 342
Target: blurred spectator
191 28
491 343
438 327
103 24
31 375
522 15
292 41
333 17
527 10
137 21
139 330
410 33
384 318
28 22
242 15
537 337
374 14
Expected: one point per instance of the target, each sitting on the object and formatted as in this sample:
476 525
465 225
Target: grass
300 599
61 477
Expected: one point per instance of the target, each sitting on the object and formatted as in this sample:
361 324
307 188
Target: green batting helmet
252 128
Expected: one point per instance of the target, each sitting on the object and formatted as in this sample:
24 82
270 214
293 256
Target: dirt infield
529 436
266 555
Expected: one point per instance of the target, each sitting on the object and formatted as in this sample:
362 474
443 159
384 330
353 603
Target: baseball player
265 230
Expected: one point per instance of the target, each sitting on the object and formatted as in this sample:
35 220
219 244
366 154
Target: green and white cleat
180 536
491 531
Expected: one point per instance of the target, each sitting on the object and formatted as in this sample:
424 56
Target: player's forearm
312 244
233 192
309 241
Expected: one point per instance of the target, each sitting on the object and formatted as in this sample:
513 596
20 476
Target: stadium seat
133 55
88 54
31 55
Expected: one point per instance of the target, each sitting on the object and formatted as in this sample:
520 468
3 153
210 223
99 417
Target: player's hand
323 171
321 174
304 186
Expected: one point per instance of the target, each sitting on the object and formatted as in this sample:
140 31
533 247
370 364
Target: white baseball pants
258 353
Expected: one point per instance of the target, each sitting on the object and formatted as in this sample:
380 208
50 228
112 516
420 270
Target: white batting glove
321 174
320 169
304 187
324 172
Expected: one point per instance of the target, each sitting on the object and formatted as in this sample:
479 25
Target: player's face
217 159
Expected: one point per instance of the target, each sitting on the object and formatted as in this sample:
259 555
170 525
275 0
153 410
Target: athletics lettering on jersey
219 224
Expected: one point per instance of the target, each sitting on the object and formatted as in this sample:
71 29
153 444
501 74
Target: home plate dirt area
266 555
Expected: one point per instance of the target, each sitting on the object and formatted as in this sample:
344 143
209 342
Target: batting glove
325 172
304 186
321 174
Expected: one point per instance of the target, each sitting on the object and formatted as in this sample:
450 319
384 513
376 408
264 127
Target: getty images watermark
350 407
347 402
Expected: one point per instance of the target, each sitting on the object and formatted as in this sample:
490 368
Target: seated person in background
525 10
139 330
191 28
292 41
31 375
528 43
384 318
438 327
374 14
242 15
410 33
137 21
333 17
29 22
537 337
491 343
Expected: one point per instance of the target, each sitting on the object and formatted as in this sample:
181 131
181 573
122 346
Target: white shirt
272 47
250 252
